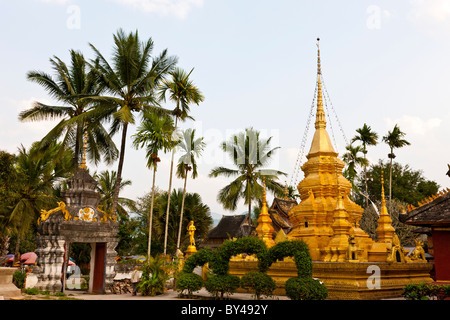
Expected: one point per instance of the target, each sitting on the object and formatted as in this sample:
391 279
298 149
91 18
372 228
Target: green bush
19 279
422 291
303 288
299 250
197 259
31 291
249 245
190 282
220 285
258 282
154 277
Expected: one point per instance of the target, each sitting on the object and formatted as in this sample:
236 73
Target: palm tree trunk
150 221
249 203
170 191
119 169
182 210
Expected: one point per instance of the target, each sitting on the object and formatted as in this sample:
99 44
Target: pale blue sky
384 62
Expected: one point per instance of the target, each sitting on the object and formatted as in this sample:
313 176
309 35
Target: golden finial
319 70
83 161
320 115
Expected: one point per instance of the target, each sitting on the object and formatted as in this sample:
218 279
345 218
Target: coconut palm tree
106 185
394 139
69 86
154 133
250 154
182 91
353 161
192 147
366 137
130 80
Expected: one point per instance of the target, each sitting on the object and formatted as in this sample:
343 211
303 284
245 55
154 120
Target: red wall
441 243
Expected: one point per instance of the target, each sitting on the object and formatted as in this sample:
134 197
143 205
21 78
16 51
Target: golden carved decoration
86 214
106 215
61 207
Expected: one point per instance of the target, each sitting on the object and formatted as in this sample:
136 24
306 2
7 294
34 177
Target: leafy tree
192 147
69 86
366 137
250 154
194 209
408 185
394 139
37 173
154 133
183 92
131 80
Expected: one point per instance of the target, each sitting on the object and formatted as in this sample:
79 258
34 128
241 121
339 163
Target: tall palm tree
353 161
183 92
154 133
192 147
131 80
394 139
69 86
366 137
250 154
106 185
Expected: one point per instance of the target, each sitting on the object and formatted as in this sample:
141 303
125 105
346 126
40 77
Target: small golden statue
191 248
418 254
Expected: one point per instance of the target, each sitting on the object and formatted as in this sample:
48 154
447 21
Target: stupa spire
321 141
385 229
83 161
265 228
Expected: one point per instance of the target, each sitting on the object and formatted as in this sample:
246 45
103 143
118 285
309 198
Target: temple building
229 227
434 214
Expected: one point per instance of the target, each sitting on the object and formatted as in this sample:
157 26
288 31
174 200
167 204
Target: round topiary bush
197 259
220 285
303 288
189 282
258 282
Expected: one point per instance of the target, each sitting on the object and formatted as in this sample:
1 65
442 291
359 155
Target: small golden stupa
345 258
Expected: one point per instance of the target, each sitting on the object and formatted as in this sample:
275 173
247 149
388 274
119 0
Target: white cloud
415 125
178 8
55 1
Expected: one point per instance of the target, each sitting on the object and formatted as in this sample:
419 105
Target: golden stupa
345 258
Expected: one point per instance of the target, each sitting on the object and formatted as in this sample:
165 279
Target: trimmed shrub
258 282
220 285
302 288
248 245
197 259
299 250
190 282
422 291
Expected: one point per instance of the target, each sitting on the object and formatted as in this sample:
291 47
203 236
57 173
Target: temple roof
231 227
432 213
279 213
